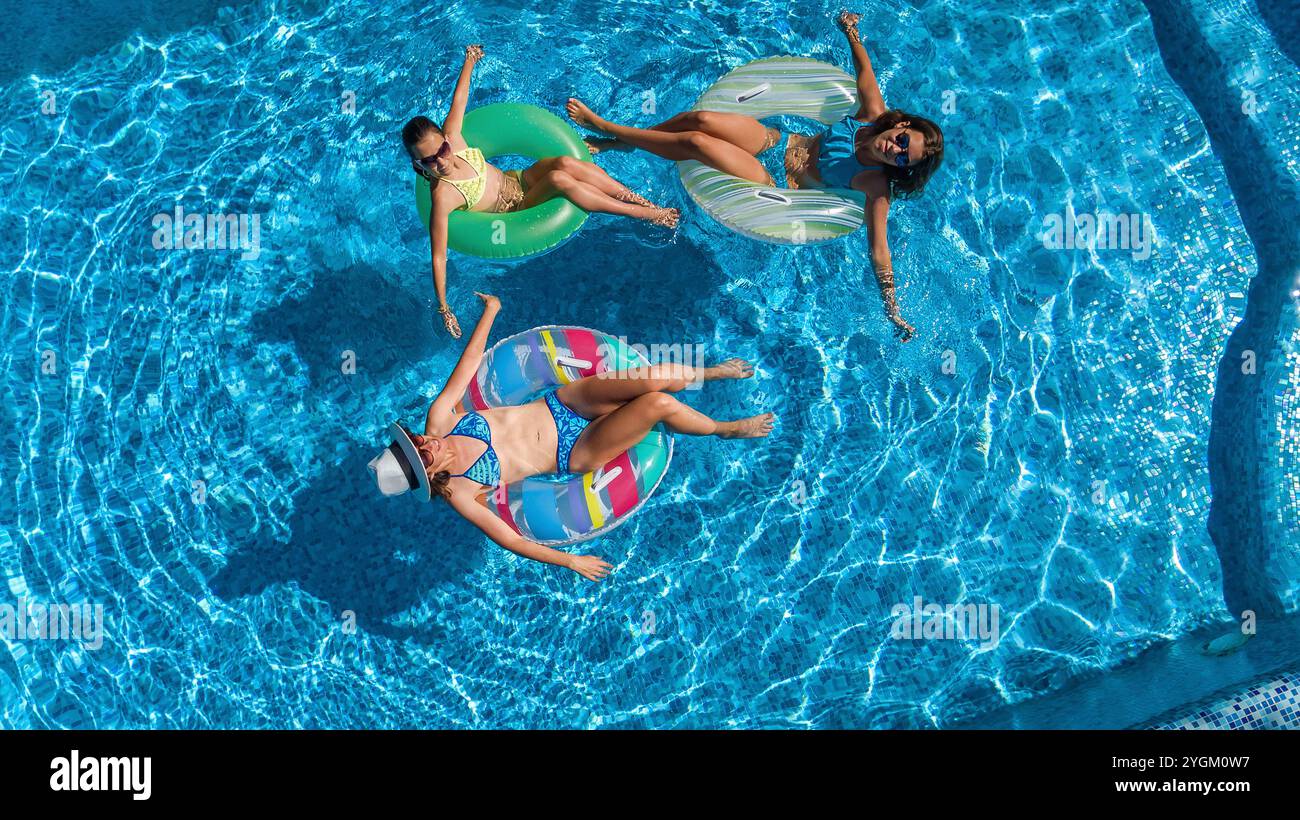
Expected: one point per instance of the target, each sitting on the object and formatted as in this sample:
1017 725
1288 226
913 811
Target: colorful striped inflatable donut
564 509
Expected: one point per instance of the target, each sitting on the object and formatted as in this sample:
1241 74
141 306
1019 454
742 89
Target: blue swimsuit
486 469
837 161
568 426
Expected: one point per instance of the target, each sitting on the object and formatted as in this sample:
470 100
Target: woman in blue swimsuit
575 429
884 153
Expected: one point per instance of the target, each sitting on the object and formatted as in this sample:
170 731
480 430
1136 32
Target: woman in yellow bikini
441 155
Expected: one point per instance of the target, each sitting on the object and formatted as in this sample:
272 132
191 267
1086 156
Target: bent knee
703 119
697 140
559 179
566 164
660 404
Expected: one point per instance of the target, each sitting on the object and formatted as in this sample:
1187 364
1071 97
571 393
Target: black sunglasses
427 162
903 141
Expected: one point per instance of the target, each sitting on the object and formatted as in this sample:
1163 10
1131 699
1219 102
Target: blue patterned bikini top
487 468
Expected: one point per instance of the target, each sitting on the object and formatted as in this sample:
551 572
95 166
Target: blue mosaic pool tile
1271 702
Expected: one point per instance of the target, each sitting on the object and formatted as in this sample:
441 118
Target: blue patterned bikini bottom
568 426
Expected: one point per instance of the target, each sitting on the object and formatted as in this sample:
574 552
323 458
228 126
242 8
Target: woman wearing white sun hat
574 428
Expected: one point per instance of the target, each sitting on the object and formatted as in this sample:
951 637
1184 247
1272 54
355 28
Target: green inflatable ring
526 130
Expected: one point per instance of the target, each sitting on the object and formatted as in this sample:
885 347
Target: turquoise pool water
182 444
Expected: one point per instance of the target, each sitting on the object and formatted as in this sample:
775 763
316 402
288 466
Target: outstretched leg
725 156
594 175
611 434
740 130
596 396
560 176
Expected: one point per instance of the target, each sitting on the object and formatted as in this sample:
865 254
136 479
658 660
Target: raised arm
588 566
877 218
456 117
870 102
441 411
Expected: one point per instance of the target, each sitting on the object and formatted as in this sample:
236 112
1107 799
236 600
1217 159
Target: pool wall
1170 679
1270 702
1236 73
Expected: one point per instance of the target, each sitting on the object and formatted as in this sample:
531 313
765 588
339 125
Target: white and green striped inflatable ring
778 86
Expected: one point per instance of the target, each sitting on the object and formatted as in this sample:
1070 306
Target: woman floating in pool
882 152
574 429
441 155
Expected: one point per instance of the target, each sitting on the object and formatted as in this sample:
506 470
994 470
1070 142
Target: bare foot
597 144
753 427
665 217
582 115
730 369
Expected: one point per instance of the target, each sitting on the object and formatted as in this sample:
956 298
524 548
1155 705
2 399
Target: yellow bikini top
472 188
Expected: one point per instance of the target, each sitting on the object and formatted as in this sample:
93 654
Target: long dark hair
417 127
908 181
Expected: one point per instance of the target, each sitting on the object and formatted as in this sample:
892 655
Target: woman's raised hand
473 53
490 302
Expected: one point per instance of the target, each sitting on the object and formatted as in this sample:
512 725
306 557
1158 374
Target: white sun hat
398 469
